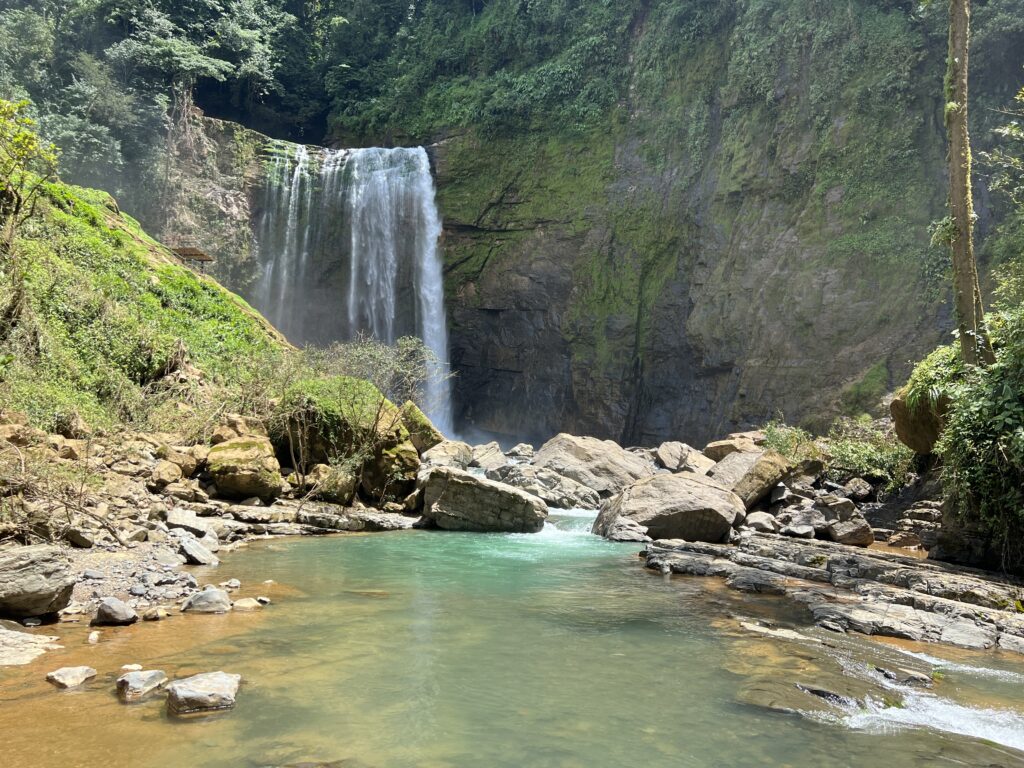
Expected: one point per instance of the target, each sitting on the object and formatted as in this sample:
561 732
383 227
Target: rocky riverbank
144 506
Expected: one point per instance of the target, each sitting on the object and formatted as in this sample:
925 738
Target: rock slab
455 500
34 581
200 694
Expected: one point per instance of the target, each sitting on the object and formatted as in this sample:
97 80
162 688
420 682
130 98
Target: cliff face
743 235
746 236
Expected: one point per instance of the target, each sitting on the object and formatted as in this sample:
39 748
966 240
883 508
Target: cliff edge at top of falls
717 249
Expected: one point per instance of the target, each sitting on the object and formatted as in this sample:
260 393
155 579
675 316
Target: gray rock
209 692
113 612
187 520
450 453
34 581
196 554
679 457
488 457
70 677
80 538
859 489
684 506
459 501
208 601
854 532
521 451
247 604
600 465
555 489
133 686
762 522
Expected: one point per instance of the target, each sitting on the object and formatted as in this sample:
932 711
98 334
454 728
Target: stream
556 649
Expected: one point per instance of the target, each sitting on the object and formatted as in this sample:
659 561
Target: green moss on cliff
107 311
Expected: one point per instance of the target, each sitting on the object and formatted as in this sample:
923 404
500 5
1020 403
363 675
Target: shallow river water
459 650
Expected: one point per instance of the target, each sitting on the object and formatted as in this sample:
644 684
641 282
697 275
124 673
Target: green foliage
26 164
862 449
864 395
982 445
794 443
107 315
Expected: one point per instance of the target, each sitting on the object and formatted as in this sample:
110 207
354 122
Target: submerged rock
208 601
17 648
34 581
459 501
136 685
199 694
684 506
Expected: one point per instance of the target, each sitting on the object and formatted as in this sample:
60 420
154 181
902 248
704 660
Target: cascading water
347 243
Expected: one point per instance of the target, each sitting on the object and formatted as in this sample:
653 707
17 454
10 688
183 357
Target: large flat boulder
683 506
600 465
243 467
34 581
456 500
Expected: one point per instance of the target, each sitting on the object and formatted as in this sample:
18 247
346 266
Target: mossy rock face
330 419
422 432
919 429
245 467
391 474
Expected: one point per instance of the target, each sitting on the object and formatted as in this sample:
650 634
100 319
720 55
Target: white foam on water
965 669
1000 726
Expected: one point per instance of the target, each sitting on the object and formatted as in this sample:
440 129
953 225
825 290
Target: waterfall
347 242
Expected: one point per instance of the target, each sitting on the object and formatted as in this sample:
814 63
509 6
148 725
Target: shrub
862 449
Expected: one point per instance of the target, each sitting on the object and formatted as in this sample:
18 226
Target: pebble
131 668
94 637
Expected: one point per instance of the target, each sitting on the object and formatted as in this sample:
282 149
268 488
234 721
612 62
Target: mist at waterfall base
347 242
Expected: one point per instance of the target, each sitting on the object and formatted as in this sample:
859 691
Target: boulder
422 432
719 449
80 538
209 692
245 466
34 581
488 457
450 453
521 451
918 428
679 457
136 685
164 473
762 522
751 475
556 490
601 465
326 483
70 677
247 604
456 500
208 601
859 489
187 520
113 613
391 473
195 553
682 506
854 531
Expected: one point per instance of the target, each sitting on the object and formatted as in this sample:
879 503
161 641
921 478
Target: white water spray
348 245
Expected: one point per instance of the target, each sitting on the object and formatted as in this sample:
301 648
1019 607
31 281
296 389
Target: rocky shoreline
734 510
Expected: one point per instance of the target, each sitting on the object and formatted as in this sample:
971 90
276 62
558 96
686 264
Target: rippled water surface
459 650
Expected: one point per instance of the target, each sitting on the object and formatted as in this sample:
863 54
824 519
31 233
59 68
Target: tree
26 164
958 227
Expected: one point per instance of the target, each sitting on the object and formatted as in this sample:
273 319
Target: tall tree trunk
974 342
